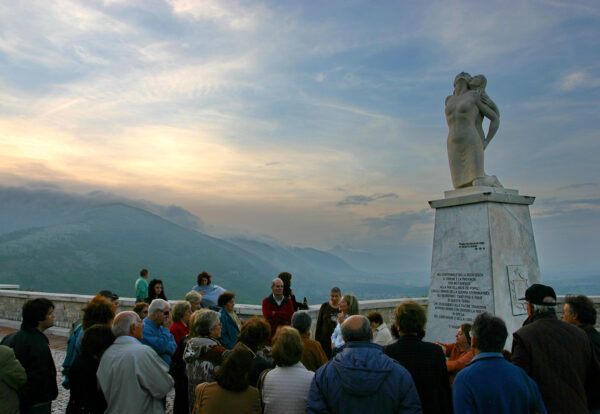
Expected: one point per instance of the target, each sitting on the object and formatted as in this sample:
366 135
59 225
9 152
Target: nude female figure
465 110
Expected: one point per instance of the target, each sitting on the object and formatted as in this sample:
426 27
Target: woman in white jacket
381 334
285 388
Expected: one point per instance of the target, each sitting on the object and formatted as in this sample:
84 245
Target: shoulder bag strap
260 385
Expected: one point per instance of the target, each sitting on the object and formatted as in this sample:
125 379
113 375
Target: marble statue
465 110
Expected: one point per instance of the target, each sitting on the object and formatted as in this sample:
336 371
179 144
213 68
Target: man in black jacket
556 355
31 349
424 360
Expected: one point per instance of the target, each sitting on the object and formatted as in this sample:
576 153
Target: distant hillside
105 247
62 242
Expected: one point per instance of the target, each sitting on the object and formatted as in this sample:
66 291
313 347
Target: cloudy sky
319 123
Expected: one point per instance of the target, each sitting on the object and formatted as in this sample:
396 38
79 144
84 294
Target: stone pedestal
484 258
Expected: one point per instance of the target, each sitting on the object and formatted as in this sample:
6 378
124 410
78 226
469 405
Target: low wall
68 308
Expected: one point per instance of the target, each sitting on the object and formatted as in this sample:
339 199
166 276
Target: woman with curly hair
97 311
209 291
255 335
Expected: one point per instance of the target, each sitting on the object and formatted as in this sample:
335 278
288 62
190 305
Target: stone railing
9 287
68 308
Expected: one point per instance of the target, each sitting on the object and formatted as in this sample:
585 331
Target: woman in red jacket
182 311
459 354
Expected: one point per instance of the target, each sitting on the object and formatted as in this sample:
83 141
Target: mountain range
61 242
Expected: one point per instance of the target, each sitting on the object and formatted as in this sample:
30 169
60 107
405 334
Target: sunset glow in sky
319 123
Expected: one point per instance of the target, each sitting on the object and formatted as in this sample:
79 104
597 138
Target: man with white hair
156 330
277 308
133 378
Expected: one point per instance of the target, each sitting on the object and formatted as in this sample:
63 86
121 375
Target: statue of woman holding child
465 110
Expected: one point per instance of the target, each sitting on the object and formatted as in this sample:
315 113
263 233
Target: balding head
128 323
357 329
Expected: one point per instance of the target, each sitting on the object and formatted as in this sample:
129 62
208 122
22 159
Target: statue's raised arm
465 110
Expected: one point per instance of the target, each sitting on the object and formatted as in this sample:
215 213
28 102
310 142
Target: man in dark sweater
556 355
32 350
424 360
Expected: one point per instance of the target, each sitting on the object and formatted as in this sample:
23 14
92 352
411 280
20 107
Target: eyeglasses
166 313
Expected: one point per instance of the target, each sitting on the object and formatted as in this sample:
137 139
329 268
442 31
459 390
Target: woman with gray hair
203 354
195 299
182 311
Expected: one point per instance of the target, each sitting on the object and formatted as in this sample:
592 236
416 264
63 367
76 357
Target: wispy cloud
401 221
579 185
363 200
231 14
577 80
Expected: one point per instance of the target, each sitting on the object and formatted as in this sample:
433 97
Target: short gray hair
157 304
542 308
123 323
301 321
206 322
357 335
274 280
192 296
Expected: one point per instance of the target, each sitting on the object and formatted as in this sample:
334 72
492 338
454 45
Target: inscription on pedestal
458 297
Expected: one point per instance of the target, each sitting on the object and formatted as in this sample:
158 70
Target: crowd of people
127 362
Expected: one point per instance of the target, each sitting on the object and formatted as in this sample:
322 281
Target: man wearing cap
556 355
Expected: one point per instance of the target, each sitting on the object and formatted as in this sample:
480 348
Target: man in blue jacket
156 334
490 384
361 378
